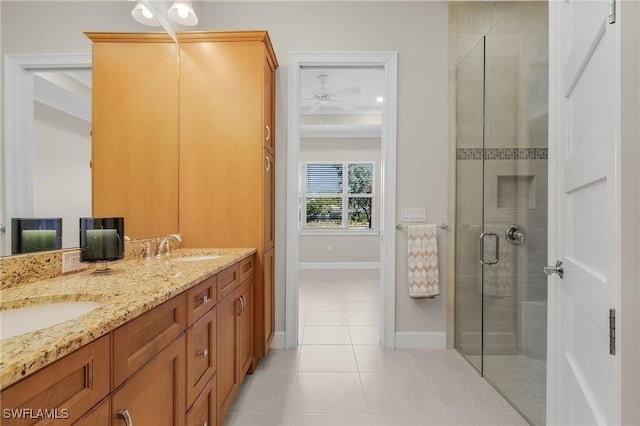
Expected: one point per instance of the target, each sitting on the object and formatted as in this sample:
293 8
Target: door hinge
612 11
612 331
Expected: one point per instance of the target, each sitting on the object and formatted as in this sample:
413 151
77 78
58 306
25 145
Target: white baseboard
339 265
278 341
421 339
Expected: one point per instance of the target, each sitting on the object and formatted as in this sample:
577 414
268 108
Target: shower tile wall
515 142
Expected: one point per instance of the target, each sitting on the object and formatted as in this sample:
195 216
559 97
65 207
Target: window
338 196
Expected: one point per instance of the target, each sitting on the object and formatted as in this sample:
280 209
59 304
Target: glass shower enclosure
501 210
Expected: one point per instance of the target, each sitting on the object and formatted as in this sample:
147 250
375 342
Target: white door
582 382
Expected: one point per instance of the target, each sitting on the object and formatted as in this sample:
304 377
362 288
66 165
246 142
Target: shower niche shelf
516 192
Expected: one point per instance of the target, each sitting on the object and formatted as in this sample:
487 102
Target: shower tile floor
340 376
523 380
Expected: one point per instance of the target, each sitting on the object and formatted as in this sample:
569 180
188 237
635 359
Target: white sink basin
196 258
30 318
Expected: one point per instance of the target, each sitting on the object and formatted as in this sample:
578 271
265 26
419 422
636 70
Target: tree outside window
335 199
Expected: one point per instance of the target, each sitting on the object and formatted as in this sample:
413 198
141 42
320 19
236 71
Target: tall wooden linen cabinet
227 154
197 123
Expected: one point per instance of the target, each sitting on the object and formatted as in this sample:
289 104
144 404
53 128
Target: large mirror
47 153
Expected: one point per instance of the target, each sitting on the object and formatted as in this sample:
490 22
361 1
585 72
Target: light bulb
183 12
379 99
147 13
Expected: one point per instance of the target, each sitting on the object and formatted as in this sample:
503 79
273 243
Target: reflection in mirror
37 234
55 145
62 148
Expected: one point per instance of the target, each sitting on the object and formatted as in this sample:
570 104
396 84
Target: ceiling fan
325 96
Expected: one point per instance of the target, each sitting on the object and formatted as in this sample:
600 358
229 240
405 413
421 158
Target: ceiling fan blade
347 92
342 105
314 108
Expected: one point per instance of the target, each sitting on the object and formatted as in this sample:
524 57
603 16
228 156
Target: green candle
38 240
102 244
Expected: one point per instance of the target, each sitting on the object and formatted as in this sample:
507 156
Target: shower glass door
501 203
470 103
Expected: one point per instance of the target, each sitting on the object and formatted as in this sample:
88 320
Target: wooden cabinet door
268 288
203 411
268 102
245 327
155 395
201 354
269 198
135 131
228 379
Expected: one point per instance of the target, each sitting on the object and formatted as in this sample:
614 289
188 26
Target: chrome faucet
165 242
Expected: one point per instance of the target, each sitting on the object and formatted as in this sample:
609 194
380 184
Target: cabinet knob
124 414
203 352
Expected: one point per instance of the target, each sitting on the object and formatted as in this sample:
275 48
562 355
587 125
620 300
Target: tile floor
340 376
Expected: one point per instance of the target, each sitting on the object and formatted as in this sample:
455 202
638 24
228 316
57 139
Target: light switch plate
71 261
413 214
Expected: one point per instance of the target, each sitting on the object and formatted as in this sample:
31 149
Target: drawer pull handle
205 424
203 299
126 416
204 353
268 136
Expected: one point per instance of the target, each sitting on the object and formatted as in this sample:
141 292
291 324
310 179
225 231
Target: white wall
416 30
314 248
62 153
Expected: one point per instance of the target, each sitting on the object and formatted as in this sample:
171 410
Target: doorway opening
341 162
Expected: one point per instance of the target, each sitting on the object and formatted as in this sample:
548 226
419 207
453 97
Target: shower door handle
482 236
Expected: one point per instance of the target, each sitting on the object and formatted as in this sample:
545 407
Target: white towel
422 247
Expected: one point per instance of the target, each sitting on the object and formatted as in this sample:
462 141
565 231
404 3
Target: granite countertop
131 289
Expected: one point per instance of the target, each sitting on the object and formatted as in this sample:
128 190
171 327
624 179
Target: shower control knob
515 234
558 269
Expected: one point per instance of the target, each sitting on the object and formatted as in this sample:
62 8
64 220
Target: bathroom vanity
169 343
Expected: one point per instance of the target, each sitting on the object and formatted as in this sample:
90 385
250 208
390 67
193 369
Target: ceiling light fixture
143 15
181 12
379 99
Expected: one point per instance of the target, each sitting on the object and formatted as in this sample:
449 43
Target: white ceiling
342 82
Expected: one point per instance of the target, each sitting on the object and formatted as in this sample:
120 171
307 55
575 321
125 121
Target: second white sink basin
30 318
196 258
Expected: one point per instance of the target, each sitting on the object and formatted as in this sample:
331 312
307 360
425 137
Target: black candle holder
101 241
30 235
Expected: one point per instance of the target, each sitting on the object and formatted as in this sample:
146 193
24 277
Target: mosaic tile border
502 153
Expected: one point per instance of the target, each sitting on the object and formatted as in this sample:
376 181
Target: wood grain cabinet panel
227 155
201 298
269 317
155 395
201 354
142 338
99 416
228 279
203 411
65 390
135 131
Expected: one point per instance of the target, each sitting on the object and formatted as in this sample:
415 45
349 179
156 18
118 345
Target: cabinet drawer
144 337
70 386
203 411
247 267
201 298
228 279
201 354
